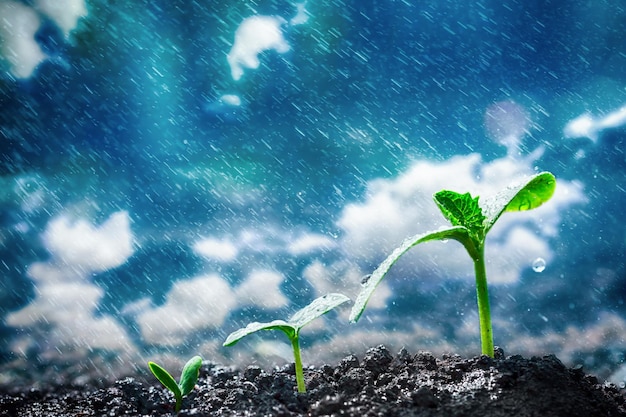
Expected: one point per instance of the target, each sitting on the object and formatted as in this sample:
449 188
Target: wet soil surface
378 384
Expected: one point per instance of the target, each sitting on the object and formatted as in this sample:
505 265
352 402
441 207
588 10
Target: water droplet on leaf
365 279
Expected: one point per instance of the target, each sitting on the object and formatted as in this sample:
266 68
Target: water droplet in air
539 265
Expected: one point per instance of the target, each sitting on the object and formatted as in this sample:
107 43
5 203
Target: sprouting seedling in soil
291 328
471 220
188 378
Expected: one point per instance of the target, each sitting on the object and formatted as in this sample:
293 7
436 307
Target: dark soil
377 385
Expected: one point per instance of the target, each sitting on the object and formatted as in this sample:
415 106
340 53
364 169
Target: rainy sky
173 170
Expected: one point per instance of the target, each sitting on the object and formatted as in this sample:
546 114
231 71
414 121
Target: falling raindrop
539 265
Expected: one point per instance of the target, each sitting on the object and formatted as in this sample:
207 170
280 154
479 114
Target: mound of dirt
379 384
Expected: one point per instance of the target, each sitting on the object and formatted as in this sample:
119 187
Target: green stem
299 372
179 402
482 295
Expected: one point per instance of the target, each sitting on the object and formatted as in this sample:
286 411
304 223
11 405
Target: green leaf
459 233
318 307
537 191
189 375
235 336
462 210
526 195
165 378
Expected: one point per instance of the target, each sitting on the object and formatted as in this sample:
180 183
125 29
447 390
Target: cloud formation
223 250
66 302
204 302
587 126
256 34
199 303
18 26
88 247
17 38
64 13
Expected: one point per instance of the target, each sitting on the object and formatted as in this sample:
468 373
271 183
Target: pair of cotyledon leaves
188 379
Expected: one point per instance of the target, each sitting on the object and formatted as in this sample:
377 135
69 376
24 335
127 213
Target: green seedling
291 328
188 378
471 220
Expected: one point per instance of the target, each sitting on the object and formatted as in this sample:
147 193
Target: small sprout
471 220
291 328
188 378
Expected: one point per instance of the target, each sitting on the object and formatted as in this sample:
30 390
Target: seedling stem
295 344
484 311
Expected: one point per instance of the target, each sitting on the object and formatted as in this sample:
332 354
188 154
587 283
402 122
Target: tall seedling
471 221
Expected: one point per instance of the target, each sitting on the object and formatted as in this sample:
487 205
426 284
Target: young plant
471 221
188 378
291 328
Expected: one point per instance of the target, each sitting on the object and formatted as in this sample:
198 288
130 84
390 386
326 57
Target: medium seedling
291 328
471 220
188 378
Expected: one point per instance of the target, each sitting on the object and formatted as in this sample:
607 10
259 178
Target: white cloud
216 249
200 303
231 100
397 208
65 313
51 273
587 126
273 349
64 308
309 242
255 35
18 24
65 13
58 304
92 248
403 206
302 15
581 127
205 302
262 288
322 278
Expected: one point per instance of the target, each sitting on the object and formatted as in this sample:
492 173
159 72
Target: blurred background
173 170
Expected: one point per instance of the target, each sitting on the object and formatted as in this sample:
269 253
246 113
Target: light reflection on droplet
539 265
